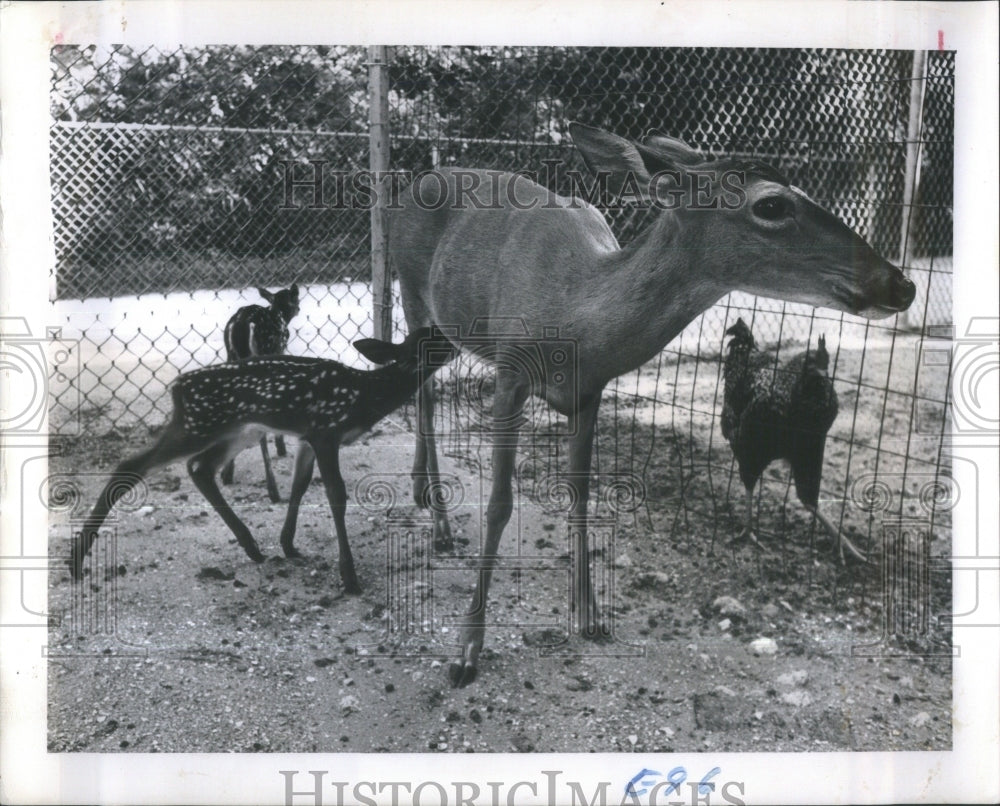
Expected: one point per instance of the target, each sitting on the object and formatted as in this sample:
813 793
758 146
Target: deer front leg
305 459
426 475
202 468
327 451
506 410
581 445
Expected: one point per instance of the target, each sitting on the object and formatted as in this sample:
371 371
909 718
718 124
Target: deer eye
773 208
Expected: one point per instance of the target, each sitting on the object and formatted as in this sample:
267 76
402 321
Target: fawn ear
295 291
266 294
376 351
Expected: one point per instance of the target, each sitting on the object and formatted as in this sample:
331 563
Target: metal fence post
378 121
911 179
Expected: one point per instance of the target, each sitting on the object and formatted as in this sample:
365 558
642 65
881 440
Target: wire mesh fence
182 179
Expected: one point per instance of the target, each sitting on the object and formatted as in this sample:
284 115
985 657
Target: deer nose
902 292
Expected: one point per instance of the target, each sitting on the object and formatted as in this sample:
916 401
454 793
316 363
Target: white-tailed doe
220 410
473 248
256 330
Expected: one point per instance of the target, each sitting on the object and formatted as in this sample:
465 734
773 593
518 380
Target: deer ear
266 294
671 150
295 290
376 351
620 159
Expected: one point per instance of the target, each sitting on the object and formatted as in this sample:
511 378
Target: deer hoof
461 674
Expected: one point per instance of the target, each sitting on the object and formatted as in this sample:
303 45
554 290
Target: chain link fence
182 179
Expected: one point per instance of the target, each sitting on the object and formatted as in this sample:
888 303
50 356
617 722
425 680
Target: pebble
796 698
728 606
797 678
764 646
348 703
725 624
921 719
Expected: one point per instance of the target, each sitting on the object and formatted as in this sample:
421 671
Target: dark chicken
779 413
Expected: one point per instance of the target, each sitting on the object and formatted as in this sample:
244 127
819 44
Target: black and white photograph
621 406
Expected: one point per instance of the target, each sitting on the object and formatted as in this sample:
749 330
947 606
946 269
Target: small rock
348 704
921 719
797 678
725 691
632 739
623 561
728 606
764 646
146 511
211 572
652 580
797 698
770 610
725 624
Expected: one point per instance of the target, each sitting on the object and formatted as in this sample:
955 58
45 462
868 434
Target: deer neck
652 289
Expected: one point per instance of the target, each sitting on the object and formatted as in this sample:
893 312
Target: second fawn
256 330
219 410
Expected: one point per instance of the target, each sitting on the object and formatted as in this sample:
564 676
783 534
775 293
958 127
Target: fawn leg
202 468
328 458
581 445
304 461
426 475
272 485
227 471
279 445
507 404
172 444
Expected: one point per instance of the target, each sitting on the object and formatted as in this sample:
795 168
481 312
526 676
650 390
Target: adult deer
475 249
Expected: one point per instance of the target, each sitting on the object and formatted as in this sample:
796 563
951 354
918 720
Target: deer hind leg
173 444
202 468
507 407
426 475
327 456
279 445
305 459
272 485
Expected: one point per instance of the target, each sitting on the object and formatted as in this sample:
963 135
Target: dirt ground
176 641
